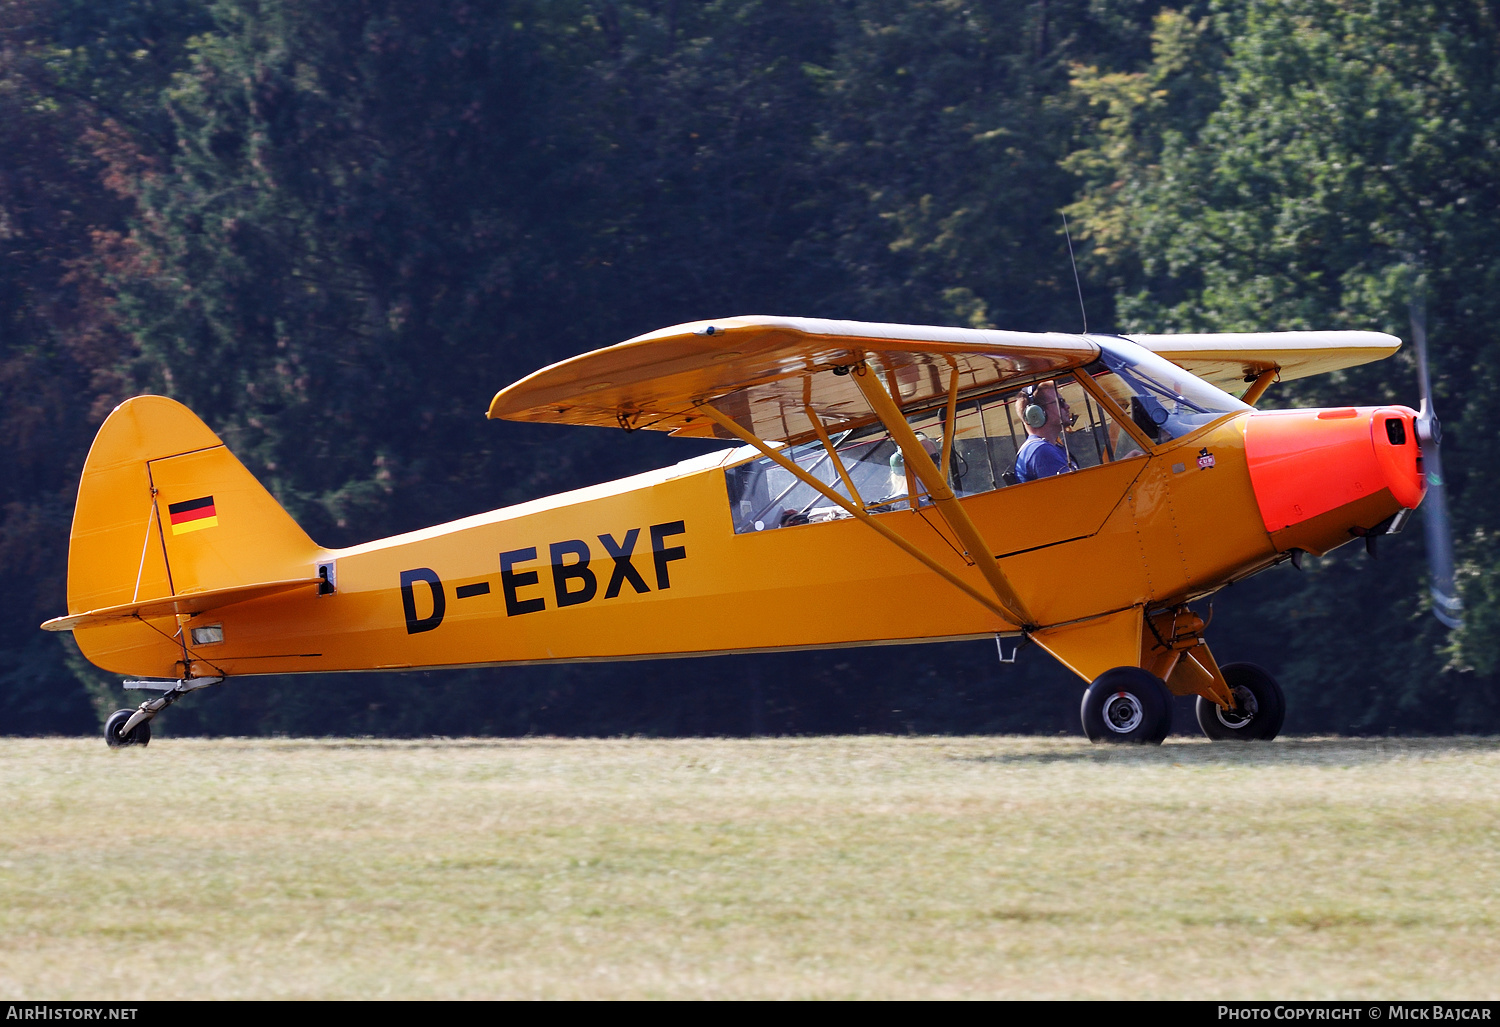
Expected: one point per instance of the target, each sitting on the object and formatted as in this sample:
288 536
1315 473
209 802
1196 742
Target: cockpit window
1163 400
1013 437
989 451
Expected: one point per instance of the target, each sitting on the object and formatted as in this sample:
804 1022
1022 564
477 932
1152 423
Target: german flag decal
192 515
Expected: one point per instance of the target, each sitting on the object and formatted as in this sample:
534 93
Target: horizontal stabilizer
189 604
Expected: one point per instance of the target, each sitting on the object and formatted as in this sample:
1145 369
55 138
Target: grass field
832 867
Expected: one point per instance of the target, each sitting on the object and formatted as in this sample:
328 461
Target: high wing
1234 360
764 380
765 373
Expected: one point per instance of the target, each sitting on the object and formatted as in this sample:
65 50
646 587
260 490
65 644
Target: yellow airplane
891 483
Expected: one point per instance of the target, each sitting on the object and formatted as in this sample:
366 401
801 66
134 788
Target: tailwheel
138 735
1127 704
1260 707
133 727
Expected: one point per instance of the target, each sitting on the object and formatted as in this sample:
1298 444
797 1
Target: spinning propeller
1446 605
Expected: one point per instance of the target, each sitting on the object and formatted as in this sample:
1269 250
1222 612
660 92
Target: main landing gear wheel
139 735
1127 704
1261 707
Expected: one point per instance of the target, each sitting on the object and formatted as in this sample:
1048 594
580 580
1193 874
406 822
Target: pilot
1045 413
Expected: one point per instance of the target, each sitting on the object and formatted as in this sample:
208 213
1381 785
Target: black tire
1127 704
139 735
1257 693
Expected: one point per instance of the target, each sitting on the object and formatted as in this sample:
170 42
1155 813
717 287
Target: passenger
898 466
1045 413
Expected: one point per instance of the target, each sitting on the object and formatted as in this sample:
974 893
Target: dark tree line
334 229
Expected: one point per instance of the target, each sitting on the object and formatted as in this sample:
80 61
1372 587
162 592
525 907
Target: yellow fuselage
511 586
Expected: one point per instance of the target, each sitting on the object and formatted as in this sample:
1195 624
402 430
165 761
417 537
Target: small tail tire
1127 704
1261 707
139 735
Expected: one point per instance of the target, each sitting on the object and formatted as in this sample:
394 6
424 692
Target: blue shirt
1039 458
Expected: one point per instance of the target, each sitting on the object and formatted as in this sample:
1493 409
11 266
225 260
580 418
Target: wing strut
1260 385
948 505
731 426
950 417
817 423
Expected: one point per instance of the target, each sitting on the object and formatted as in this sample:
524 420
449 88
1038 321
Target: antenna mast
1076 283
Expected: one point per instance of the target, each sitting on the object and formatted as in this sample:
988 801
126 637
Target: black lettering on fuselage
511 580
663 554
574 581
415 624
624 570
562 573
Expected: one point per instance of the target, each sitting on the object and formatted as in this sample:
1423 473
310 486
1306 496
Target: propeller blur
1446 604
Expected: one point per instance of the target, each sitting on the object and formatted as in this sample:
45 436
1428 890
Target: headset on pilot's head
1034 413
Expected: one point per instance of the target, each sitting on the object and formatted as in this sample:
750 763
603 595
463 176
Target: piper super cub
892 483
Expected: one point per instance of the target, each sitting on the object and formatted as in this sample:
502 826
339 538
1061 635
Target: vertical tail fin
164 509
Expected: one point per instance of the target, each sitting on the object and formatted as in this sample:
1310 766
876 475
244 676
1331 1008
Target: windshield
1162 399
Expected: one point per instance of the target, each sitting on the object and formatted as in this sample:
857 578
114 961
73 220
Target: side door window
1050 427
998 440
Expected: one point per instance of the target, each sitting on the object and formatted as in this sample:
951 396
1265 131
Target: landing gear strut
1127 704
133 727
1260 707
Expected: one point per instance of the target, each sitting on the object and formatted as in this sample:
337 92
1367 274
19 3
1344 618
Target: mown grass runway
832 867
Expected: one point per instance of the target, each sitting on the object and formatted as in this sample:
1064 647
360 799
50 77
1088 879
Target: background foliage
336 227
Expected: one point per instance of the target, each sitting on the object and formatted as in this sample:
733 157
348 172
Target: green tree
944 129
368 205
1293 165
77 93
